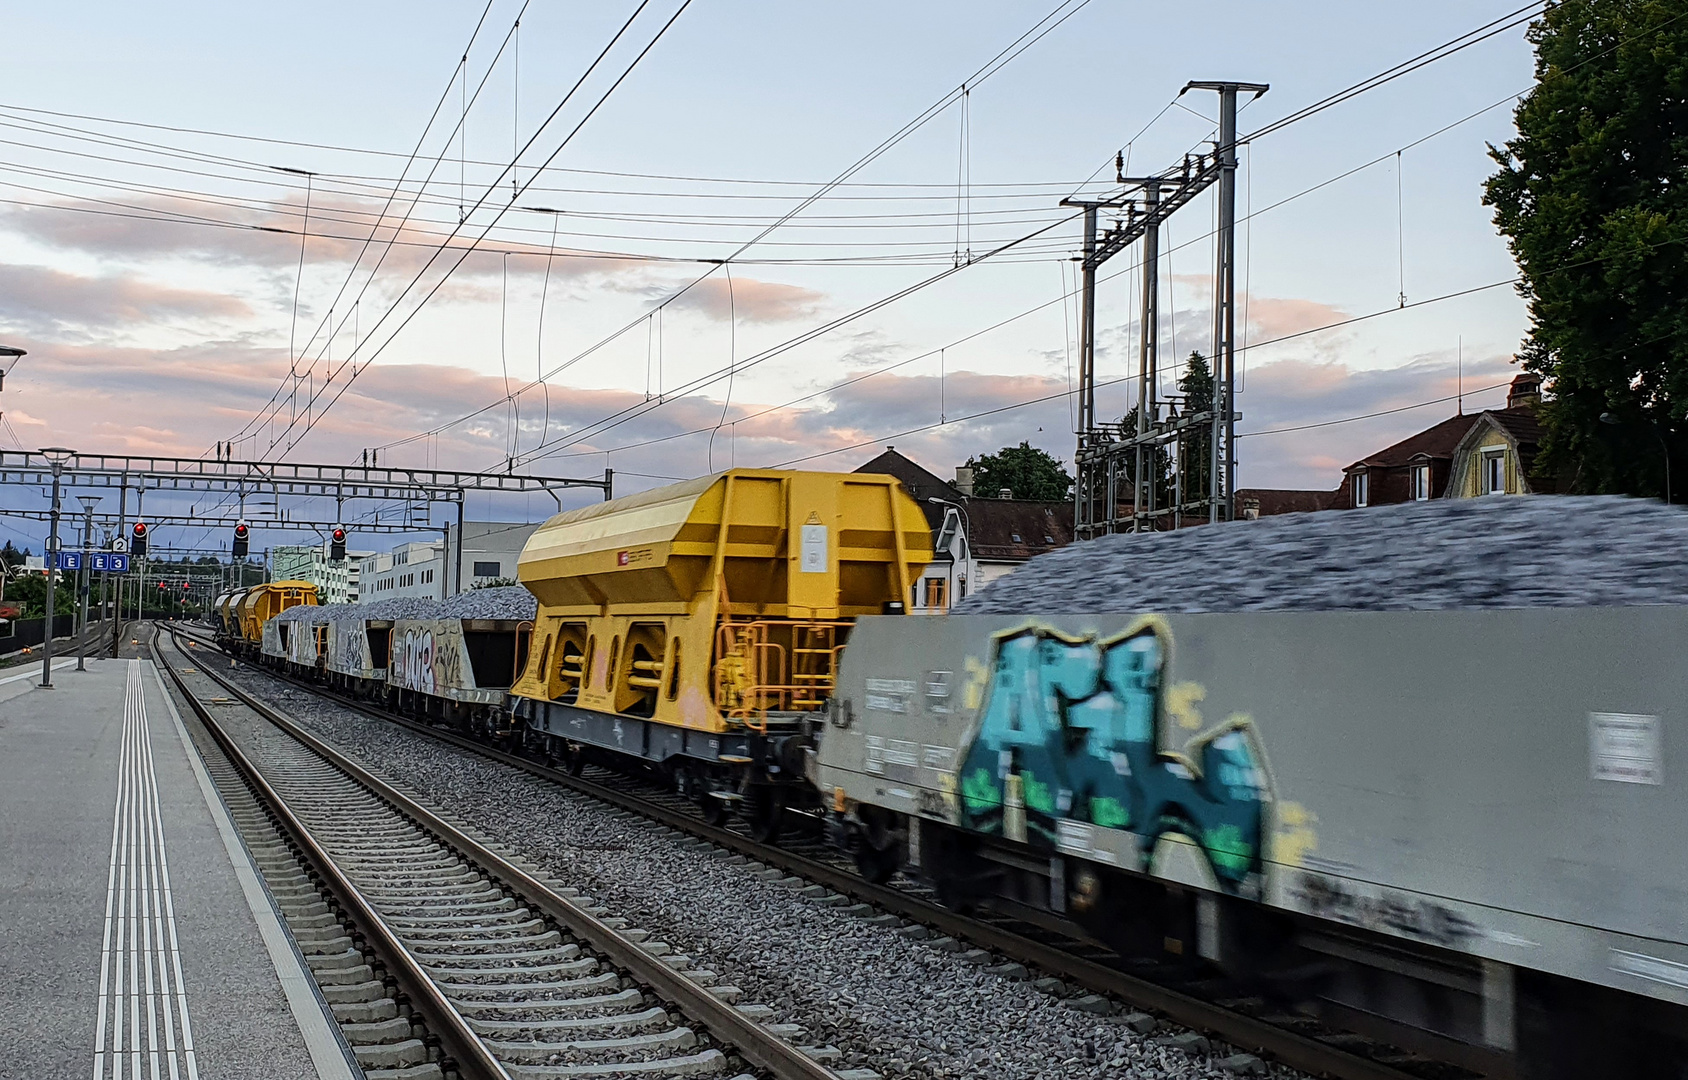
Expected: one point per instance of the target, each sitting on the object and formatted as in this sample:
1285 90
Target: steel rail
726 1023
1291 1048
465 1048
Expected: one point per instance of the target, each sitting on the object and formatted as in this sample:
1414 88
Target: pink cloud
37 299
748 299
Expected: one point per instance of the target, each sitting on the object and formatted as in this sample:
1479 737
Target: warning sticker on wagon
1624 747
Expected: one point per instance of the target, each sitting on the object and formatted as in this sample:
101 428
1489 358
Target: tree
1025 470
28 592
1195 446
1591 200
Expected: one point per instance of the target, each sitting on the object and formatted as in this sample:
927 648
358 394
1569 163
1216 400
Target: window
936 593
1361 488
1420 483
1494 473
487 569
1016 537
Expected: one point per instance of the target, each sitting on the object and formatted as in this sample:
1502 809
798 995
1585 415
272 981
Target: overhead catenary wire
1055 18
557 150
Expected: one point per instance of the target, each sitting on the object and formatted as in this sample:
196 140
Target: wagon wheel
878 849
716 810
765 814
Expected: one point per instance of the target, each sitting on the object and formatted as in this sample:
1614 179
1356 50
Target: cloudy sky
179 280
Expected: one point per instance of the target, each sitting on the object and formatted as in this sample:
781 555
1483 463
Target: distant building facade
337 582
429 569
974 540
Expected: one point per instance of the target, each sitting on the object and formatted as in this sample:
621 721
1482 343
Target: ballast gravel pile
1497 552
498 602
888 1003
398 607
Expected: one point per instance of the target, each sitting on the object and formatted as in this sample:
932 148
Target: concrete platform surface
133 941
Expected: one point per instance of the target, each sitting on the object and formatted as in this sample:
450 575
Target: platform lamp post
88 503
56 457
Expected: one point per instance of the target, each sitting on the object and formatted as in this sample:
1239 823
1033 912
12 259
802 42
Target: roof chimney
964 480
1525 392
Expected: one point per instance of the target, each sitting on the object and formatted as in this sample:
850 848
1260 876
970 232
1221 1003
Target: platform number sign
100 562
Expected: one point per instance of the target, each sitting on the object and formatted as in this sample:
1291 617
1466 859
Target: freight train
1460 830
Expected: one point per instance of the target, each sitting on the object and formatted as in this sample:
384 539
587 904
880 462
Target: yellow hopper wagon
263 603
228 617
699 626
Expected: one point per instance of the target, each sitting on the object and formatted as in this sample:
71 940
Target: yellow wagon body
715 603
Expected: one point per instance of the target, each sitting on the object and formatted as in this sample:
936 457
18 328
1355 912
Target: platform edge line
323 1041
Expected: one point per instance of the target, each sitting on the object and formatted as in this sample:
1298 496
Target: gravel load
498 602
889 1003
1529 551
311 614
401 607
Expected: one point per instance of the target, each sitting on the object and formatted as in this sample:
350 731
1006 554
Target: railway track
1293 1039
441 955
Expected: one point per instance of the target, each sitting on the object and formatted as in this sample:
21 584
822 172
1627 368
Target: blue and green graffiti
1079 722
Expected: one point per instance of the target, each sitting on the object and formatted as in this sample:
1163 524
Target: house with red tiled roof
1498 454
974 540
1469 454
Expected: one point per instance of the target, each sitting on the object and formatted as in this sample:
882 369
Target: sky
178 280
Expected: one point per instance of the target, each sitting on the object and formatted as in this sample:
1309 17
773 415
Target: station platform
139 940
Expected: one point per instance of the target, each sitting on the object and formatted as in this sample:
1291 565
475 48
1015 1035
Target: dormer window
1360 486
1494 473
1420 483
1016 537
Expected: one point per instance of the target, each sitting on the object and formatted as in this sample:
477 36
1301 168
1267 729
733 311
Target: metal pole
1225 326
1223 469
457 553
1148 410
609 488
87 580
52 557
123 534
1084 508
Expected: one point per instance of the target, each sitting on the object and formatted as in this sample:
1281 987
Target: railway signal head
242 534
186 585
337 544
138 540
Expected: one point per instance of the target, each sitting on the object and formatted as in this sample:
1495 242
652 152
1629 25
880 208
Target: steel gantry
1109 457
417 489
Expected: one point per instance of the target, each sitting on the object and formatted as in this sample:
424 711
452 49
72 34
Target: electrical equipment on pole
1119 469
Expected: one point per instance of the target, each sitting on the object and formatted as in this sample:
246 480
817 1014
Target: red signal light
339 534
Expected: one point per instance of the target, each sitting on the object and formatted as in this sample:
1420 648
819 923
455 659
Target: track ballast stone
1494 552
886 1001
498 602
